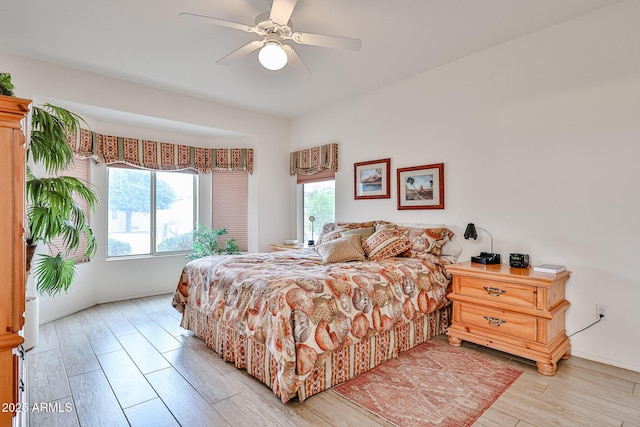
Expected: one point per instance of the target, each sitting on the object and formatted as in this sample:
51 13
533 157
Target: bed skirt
332 368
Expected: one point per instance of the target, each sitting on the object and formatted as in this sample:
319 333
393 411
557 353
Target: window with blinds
80 170
230 204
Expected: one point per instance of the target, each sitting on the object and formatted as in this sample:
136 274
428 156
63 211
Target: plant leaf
6 87
54 274
50 128
205 243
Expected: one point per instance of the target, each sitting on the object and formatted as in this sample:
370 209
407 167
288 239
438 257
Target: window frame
152 213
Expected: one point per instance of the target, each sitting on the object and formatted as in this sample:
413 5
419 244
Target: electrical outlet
601 310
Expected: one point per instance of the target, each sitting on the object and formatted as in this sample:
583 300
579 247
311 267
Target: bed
303 321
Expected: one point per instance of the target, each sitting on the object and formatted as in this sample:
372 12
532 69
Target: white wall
539 138
101 280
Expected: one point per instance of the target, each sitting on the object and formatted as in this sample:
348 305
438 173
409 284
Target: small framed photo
421 187
371 179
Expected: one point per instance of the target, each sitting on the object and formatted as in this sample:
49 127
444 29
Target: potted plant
52 211
6 87
205 243
54 218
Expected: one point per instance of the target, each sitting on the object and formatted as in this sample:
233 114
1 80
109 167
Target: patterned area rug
430 385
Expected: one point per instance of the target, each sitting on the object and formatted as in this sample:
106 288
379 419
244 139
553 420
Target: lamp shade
470 232
272 56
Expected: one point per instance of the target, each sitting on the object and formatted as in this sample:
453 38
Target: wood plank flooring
130 363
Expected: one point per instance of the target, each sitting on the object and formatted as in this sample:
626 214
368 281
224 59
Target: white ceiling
145 41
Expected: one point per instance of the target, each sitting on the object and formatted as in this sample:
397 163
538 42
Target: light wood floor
129 363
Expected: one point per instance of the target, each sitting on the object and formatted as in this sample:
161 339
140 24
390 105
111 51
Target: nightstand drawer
498 321
504 292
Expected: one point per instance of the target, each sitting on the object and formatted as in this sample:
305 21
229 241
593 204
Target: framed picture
421 187
371 179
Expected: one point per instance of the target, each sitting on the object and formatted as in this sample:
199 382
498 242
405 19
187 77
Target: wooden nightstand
516 310
281 247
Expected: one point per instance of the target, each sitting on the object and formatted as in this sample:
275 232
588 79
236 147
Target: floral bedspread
301 308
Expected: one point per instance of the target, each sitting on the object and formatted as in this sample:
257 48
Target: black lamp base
486 258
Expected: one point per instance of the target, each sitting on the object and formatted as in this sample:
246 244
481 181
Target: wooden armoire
12 256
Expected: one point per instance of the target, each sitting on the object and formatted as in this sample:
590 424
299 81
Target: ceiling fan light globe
272 57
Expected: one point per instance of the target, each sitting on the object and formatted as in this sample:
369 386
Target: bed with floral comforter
302 325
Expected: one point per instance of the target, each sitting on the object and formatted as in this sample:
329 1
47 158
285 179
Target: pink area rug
430 385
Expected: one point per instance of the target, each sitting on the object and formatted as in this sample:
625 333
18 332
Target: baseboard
150 294
84 307
606 361
65 314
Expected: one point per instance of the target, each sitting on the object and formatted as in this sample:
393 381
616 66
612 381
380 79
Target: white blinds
230 204
80 170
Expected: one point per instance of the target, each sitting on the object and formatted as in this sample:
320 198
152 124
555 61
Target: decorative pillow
364 233
384 224
343 249
436 238
385 243
380 224
332 227
333 235
427 241
327 228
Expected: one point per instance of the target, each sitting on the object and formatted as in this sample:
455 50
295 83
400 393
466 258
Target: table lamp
484 257
311 242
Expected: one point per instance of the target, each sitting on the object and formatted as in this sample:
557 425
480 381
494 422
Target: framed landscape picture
421 187
371 179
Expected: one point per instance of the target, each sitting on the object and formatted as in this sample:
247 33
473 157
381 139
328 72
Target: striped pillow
385 243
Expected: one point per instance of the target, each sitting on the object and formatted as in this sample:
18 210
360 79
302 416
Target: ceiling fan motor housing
265 26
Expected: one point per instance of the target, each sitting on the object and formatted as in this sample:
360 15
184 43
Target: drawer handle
494 321
494 292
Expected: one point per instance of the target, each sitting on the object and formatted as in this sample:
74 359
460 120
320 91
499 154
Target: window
230 205
150 212
319 201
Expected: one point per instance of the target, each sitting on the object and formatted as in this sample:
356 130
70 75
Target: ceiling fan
274 28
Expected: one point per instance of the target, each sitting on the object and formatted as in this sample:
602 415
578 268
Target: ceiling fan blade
239 53
293 59
326 41
221 22
281 11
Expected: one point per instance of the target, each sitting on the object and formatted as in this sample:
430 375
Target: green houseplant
6 87
54 218
206 243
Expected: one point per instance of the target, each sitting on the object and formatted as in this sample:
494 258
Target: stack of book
290 242
549 268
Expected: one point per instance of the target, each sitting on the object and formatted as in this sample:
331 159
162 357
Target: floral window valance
313 160
159 155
